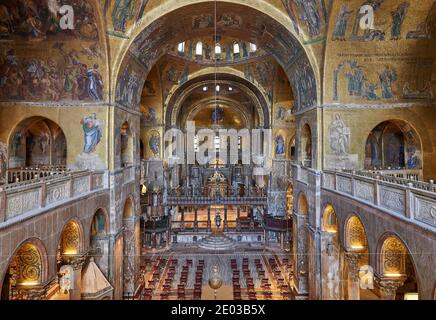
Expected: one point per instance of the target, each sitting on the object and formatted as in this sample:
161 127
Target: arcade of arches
338 202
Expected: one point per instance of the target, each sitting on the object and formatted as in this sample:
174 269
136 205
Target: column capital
352 259
388 286
76 261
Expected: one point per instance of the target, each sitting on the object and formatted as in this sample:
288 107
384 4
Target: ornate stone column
388 286
225 219
209 223
195 218
130 262
299 254
76 262
353 281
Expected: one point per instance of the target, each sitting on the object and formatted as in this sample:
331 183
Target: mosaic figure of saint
280 145
398 17
341 23
92 133
94 83
123 11
387 78
154 143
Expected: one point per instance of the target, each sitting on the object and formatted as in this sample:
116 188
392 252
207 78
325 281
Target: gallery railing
30 173
30 196
413 200
400 177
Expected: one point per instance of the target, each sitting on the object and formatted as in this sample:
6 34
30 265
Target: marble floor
246 274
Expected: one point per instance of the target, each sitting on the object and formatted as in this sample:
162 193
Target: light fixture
204 88
411 296
230 89
70 252
253 47
181 47
357 247
393 275
217 88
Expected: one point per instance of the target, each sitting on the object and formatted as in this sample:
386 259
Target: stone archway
27 272
355 257
330 255
396 270
70 258
37 142
155 37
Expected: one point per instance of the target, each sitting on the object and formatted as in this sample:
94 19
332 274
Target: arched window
181 47
253 48
39 142
218 51
236 48
393 145
199 48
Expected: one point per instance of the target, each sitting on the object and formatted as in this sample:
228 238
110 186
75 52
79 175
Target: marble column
225 218
76 262
131 254
300 254
353 281
388 286
195 218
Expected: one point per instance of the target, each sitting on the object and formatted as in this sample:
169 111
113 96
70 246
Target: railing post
2 205
353 183
43 199
71 186
90 181
409 201
377 191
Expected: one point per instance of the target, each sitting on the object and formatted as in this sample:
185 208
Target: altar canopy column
225 218
182 217
209 224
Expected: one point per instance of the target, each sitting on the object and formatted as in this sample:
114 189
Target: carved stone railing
415 201
30 173
301 173
32 195
400 177
174 201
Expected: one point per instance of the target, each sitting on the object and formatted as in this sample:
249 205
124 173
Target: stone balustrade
30 173
413 200
29 196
